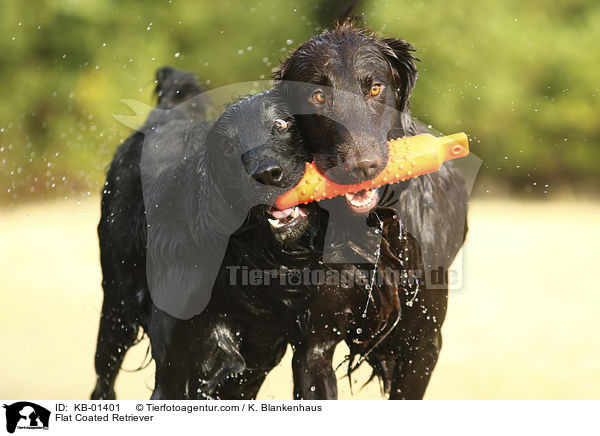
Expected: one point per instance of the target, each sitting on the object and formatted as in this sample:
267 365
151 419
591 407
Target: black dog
244 329
350 92
122 237
173 192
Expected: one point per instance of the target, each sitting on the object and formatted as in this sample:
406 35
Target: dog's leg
217 356
414 369
418 345
314 377
170 382
117 333
243 386
169 337
246 384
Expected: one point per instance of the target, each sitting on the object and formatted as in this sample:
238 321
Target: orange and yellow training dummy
410 156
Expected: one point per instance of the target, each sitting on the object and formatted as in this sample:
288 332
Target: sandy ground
521 327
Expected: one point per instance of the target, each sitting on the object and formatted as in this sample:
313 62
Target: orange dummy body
408 157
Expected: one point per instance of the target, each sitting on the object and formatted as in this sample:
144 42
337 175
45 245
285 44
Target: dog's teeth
295 212
366 199
275 223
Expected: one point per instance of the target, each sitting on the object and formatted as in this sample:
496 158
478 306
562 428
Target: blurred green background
520 77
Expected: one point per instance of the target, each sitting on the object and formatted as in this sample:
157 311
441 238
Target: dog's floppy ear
184 250
400 56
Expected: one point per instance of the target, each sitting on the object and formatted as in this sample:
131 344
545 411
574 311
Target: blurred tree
520 78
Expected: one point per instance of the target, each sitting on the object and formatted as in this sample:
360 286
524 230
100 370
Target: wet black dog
122 237
173 192
350 93
242 333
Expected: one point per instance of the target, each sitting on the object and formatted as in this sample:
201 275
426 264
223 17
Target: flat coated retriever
350 92
170 187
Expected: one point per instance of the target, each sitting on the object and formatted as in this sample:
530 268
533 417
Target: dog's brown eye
376 89
281 124
318 97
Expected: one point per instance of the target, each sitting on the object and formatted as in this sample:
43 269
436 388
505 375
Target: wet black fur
424 225
226 351
344 63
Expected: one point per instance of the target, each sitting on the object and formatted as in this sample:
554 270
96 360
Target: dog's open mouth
282 218
362 201
288 225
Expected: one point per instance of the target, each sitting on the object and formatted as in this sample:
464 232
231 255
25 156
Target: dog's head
255 153
349 92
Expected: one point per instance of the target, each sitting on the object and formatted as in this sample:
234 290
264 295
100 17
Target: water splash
377 255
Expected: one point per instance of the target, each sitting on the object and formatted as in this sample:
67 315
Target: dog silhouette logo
26 415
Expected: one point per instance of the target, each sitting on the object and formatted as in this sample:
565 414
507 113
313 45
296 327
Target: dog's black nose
268 173
364 168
